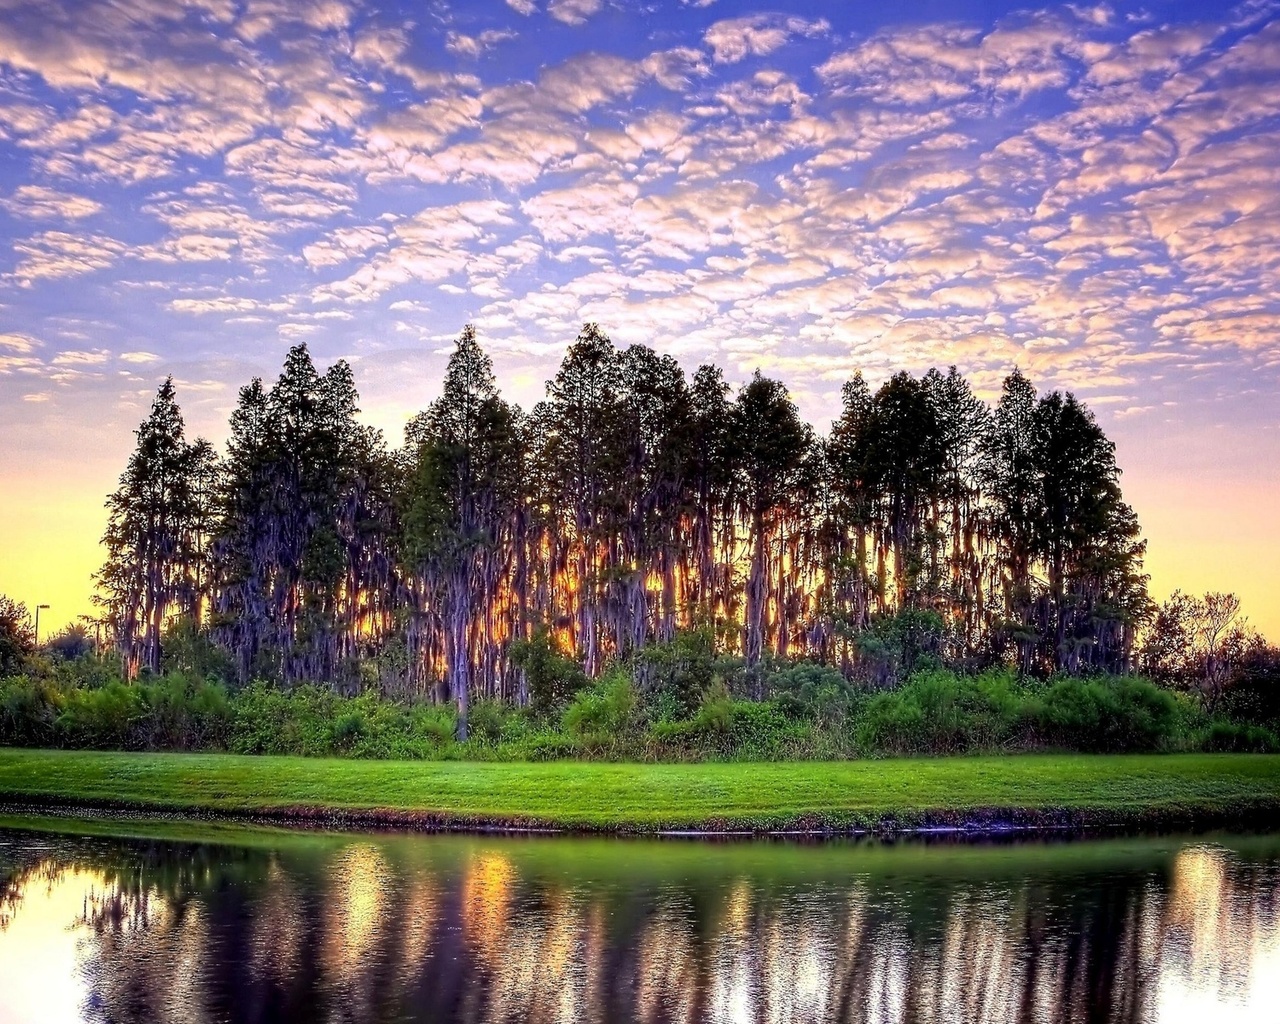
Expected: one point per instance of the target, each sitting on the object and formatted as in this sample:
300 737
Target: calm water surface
237 924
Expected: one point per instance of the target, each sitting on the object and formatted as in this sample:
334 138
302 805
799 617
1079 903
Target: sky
1088 192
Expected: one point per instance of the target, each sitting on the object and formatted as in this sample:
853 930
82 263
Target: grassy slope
633 796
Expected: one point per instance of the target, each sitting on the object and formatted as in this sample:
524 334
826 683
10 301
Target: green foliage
808 711
269 720
105 719
552 677
809 690
899 645
1234 737
1108 714
602 713
938 712
28 710
730 728
189 648
492 721
70 643
17 639
90 671
683 668
433 725
185 713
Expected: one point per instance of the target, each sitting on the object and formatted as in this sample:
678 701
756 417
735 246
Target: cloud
943 64
21 344
475 46
601 207
573 12
73 357
38 202
57 254
344 244
735 39
436 244
227 304
1064 189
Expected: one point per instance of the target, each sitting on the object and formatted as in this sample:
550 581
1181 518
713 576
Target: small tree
460 494
771 442
71 642
17 638
152 549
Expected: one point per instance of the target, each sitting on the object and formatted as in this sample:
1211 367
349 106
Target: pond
182 922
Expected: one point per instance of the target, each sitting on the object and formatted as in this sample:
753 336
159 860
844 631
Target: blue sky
1086 191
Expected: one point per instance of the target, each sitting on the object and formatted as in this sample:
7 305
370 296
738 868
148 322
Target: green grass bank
1068 790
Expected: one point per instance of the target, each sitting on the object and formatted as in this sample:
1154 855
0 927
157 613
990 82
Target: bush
939 712
811 712
601 714
552 677
1108 714
185 715
725 727
267 720
1235 737
543 746
681 671
817 692
348 728
28 711
105 719
69 643
188 648
433 724
762 731
899 645
89 671
487 720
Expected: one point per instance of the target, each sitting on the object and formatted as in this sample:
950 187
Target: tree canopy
631 504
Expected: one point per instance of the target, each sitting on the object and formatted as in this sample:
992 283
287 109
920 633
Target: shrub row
810 712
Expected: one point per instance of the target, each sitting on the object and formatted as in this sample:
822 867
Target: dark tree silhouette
461 496
155 549
770 444
631 507
17 638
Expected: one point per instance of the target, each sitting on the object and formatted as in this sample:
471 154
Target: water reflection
372 929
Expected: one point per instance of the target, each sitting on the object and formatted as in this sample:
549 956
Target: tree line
632 503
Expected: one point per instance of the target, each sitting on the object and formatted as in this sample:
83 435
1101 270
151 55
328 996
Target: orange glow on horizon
51 524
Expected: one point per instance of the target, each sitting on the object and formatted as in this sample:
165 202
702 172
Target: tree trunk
757 592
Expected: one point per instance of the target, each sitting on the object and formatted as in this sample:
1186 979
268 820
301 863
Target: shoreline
979 824
978 797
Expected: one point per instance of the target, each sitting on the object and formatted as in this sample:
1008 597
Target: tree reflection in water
371 929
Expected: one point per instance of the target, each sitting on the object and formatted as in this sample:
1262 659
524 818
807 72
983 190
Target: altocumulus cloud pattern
1090 192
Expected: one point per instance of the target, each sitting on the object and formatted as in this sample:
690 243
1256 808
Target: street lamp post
38 607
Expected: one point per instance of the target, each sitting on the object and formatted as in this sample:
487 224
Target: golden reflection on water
39 949
277 930
1223 939
421 915
486 893
356 909
733 968
977 974
489 936
665 971
547 969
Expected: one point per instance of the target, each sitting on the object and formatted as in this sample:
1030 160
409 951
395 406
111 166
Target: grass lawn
638 797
